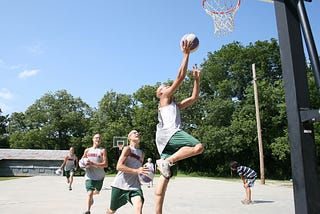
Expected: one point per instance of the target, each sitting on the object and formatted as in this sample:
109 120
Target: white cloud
28 73
5 94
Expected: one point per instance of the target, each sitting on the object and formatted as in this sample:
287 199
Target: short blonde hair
130 133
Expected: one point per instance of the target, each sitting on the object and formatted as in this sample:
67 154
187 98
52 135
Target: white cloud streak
28 73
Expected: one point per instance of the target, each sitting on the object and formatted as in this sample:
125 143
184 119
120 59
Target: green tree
112 118
144 119
3 131
55 121
229 124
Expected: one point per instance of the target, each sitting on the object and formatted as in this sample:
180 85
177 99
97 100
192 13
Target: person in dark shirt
248 176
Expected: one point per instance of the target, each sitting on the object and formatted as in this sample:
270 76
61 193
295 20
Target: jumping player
172 142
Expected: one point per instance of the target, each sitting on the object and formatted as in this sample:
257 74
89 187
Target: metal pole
306 187
309 41
256 101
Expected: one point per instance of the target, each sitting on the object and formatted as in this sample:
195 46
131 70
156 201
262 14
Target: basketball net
222 12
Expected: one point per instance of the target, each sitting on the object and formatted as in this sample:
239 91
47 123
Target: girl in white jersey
126 186
97 161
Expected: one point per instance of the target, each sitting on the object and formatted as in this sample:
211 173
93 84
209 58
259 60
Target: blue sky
91 47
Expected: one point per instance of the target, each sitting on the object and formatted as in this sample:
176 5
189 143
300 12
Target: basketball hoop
120 142
120 145
222 12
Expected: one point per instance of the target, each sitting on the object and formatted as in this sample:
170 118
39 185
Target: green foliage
112 118
280 148
3 132
55 121
144 119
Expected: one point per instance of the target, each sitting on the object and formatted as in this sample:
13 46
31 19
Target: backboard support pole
306 185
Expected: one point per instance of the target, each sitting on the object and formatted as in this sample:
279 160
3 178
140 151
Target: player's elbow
194 98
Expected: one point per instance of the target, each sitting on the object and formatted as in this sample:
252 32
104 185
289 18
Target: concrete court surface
49 194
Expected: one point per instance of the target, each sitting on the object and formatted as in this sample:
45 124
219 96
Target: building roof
32 154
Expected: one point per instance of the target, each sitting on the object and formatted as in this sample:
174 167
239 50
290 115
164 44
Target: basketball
58 172
193 38
147 178
83 163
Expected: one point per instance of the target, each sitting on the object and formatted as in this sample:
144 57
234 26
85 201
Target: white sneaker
164 167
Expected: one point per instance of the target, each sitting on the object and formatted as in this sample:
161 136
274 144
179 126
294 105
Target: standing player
126 186
248 176
150 165
97 161
69 166
173 143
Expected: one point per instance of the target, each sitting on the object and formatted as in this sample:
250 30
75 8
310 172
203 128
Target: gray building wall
26 162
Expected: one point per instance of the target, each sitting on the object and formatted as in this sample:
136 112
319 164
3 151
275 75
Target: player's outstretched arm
186 45
195 92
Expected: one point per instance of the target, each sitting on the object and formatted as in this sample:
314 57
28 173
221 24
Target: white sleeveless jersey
129 181
169 123
92 172
70 164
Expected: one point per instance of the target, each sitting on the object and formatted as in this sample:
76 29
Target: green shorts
68 172
178 140
92 185
120 197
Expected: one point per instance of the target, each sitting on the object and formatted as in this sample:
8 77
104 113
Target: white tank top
92 172
70 164
169 123
129 181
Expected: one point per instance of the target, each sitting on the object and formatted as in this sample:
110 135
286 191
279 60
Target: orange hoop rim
221 12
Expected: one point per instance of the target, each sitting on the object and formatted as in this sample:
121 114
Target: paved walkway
50 195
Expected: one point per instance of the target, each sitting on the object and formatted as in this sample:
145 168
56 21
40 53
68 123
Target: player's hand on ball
186 46
144 170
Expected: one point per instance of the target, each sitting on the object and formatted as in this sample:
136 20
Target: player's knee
159 192
199 148
110 211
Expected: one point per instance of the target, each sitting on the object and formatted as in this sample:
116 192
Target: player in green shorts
173 144
97 161
69 166
126 186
